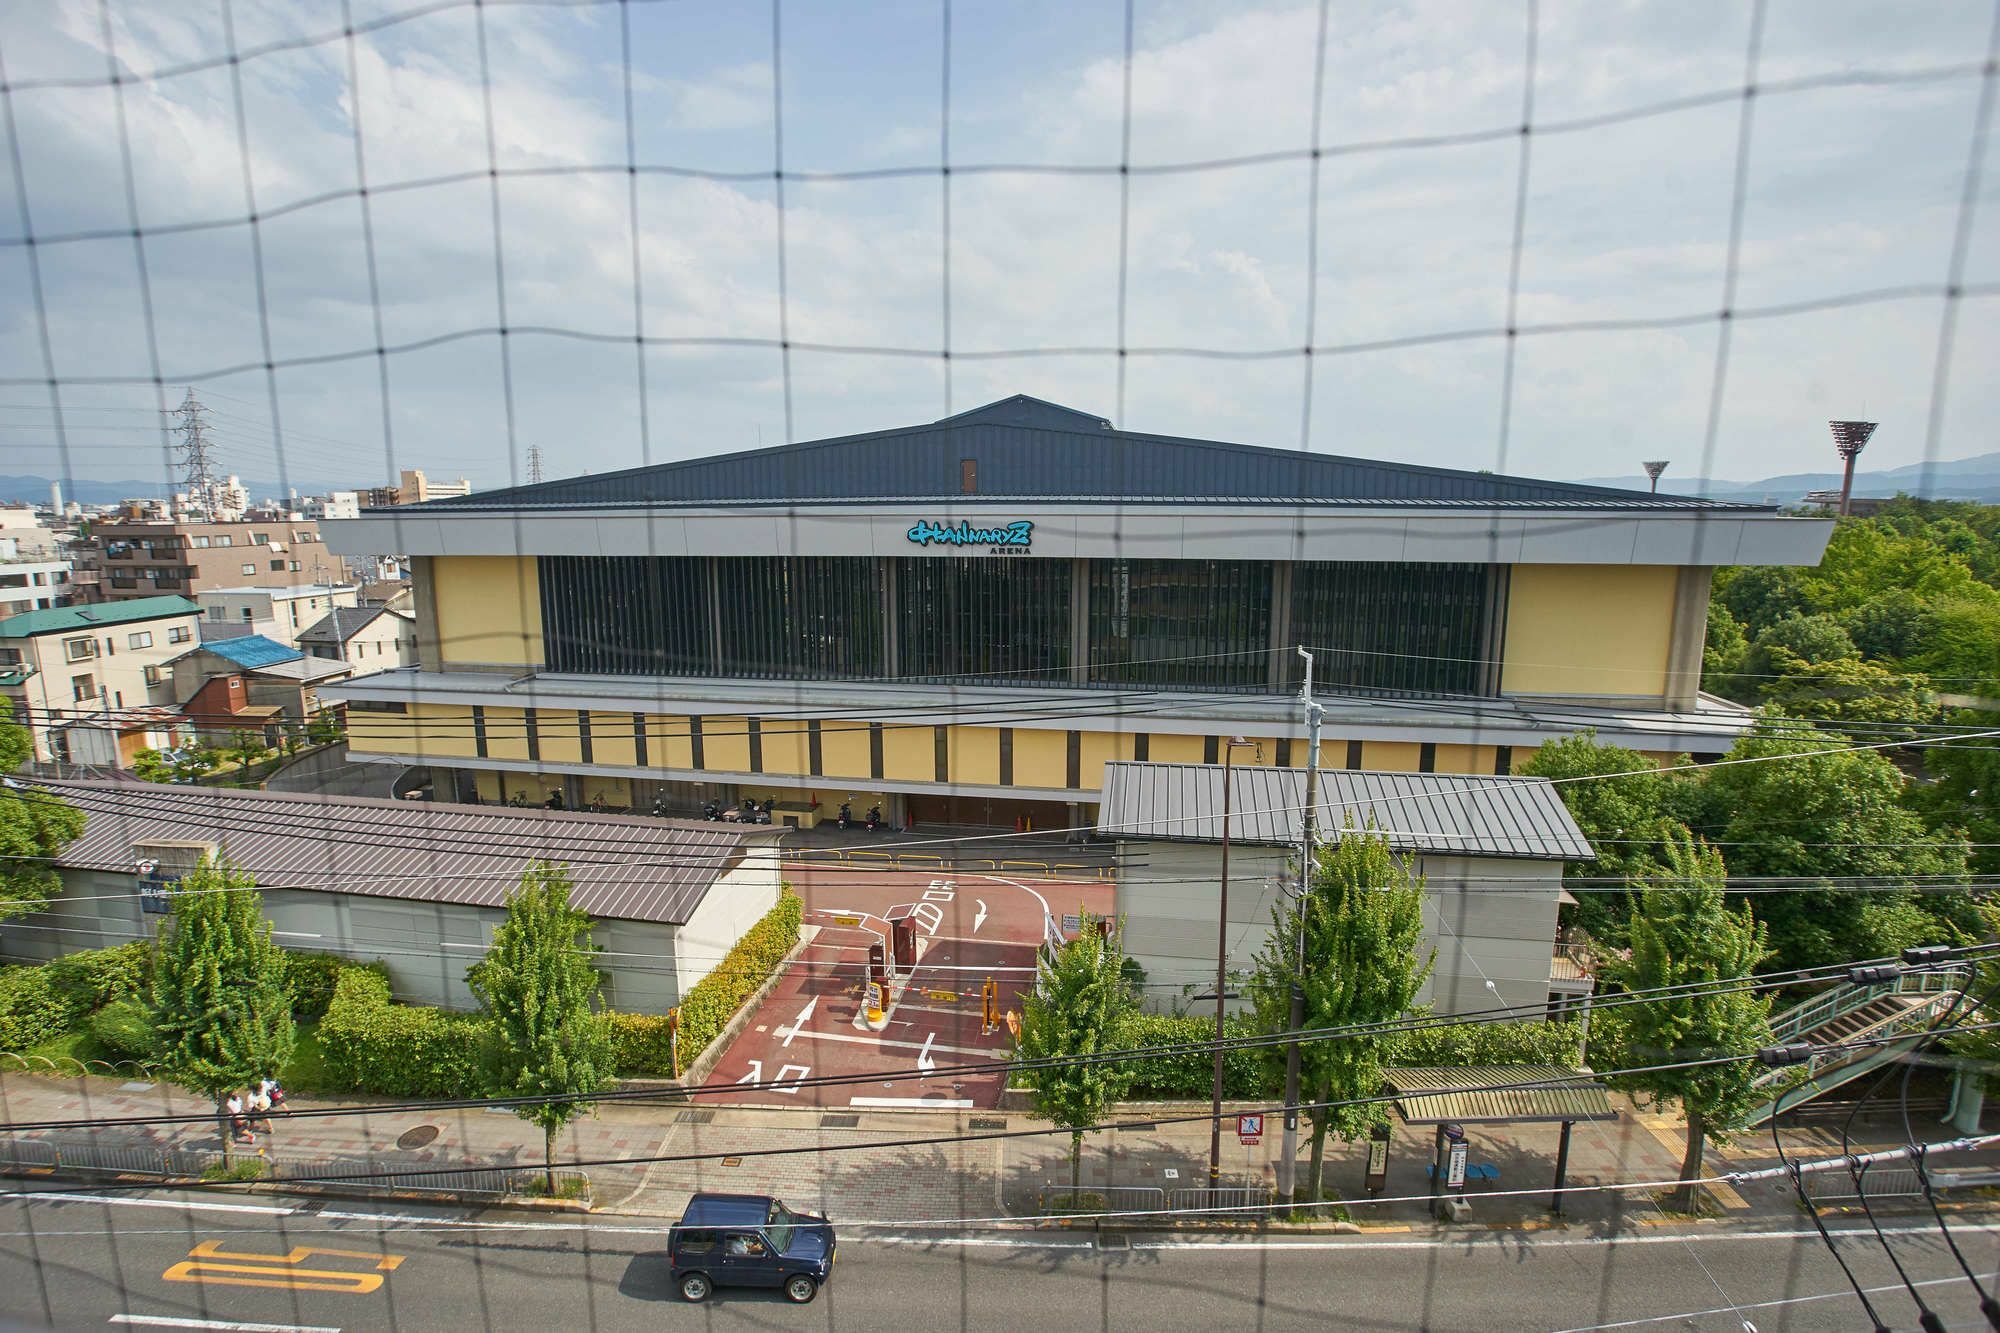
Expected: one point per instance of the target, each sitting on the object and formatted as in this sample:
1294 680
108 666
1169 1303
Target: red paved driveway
975 926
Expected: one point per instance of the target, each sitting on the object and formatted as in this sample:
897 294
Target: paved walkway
906 1166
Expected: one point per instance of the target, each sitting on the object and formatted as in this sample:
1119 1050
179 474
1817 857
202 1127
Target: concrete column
1690 635
423 587
1281 626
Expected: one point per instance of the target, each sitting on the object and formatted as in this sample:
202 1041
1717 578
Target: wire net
499 236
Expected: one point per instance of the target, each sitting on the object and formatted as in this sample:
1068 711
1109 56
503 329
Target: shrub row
310 979
41 1002
1252 1074
714 1000
374 1045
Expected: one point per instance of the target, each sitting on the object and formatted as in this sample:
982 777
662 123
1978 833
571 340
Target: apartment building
93 666
148 557
279 614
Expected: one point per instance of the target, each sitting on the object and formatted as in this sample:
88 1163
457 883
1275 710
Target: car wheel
799 1288
696 1286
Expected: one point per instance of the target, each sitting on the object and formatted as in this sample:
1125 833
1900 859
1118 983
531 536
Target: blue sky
1851 188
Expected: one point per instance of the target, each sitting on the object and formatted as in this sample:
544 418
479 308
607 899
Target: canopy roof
1497 1094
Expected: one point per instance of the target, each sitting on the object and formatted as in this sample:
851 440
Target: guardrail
1139 1200
1896 1182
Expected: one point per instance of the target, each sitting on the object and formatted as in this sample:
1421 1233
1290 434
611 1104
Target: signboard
1250 1128
1378 1158
1072 924
1007 539
155 885
1454 1176
847 921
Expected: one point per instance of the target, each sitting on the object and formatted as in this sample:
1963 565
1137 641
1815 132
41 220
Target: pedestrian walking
260 1109
274 1093
239 1124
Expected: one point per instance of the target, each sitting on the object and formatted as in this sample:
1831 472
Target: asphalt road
257 1262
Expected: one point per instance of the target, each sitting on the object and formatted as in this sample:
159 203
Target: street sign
1378 1158
1249 1128
1072 924
1454 1177
847 921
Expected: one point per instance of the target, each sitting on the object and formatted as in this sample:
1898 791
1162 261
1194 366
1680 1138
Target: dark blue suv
749 1240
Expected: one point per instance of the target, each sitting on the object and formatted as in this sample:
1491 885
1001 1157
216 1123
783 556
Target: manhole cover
418 1137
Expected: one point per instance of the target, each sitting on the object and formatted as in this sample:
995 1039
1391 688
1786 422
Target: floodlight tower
1849 439
1654 467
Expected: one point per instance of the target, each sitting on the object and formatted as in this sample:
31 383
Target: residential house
367 638
279 614
251 684
66 663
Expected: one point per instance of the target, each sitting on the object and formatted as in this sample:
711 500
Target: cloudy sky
1857 162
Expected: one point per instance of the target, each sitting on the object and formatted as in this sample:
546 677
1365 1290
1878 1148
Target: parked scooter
846 815
711 811
660 807
874 819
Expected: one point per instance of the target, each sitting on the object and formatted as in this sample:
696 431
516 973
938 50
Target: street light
1221 972
1849 439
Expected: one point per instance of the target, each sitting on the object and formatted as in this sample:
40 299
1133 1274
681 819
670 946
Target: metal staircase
1905 1006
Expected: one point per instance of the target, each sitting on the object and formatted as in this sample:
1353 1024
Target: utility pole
1288 1160
1221 973
534 463
193 451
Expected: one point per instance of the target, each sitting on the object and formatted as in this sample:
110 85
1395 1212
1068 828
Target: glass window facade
626 616
1400 628
1004 619
1180 623
800 616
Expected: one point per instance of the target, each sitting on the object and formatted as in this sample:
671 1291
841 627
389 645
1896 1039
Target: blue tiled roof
252 650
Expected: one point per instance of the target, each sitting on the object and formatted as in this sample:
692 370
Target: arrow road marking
979 917
800 1021
924 1061
756 1074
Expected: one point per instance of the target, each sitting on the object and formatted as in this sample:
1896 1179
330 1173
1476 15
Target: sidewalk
911 1166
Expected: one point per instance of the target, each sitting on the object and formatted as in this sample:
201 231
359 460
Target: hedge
41 1002
392 1050
1191 1074
1251 1074
311 977
714 1000
639 1045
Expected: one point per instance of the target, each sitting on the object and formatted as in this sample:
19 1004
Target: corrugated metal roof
1023 448
342 623
1492 1095
624 867
1468 814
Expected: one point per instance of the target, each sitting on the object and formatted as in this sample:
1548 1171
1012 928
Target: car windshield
780 1225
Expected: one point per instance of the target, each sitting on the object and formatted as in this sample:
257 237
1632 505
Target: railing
1141 1200
1896 1182
1844 1000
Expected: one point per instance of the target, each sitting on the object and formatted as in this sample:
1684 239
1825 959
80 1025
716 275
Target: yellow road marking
278 1271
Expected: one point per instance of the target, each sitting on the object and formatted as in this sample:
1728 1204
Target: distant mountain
1976 478
31 489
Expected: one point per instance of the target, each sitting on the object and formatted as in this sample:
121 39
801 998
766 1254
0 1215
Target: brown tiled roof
624 867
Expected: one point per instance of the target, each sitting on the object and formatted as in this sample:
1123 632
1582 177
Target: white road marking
979 917
756 1074
37 1196
924 1061
939 1103
902 1045
173 1321
798 1022
1689 1316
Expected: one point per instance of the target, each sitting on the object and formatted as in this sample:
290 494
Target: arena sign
1007 539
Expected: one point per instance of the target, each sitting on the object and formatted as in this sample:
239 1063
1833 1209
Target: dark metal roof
343 623
1023 448
1492 1095
624 867
1460 813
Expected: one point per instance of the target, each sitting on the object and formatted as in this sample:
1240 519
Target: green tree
1806 809
217 991
1722 651
537 986
1966 792
1079 1006
34 828
1684 934
1364 926
1843 693
1626 804
245 748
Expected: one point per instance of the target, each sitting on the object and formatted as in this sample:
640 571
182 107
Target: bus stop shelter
1453 1096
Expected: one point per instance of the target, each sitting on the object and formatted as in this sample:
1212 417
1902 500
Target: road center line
901 1045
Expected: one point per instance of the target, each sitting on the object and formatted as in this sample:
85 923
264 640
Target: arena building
966 620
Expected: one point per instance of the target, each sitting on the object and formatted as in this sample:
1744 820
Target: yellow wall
1163 749
1589 629
785 747
1388 756
725 744
611 740
561 742
667 742
1095 750
489 609
843 749
1041 758
909 753
975 755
